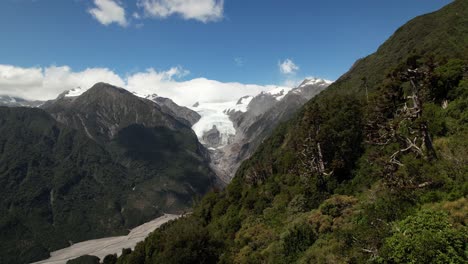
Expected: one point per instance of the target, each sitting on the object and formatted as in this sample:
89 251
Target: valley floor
105 246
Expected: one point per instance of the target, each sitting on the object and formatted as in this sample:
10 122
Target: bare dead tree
312 156
404 127
417 79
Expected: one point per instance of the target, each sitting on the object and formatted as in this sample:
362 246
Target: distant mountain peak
315 81
99 87
105 88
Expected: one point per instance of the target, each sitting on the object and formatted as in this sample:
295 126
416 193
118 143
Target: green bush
427 237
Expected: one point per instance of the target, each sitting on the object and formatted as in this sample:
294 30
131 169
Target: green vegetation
427 237
56 185
374 169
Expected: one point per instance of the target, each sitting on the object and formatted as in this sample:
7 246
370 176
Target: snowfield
214 114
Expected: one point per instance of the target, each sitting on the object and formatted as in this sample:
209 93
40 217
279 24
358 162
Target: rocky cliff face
212 138
183 114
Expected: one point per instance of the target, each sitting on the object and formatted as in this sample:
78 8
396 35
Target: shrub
427 237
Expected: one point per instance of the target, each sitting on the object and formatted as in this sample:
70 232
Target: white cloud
47 83
189 92
288 67
55 78
201 10
108 12
10 75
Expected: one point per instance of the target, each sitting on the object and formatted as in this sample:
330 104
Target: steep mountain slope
57 186
184 114
255 125
441 34
108 162
262 114
354 177
162 154
104 110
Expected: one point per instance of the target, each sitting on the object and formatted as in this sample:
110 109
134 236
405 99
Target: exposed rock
183 114
212 138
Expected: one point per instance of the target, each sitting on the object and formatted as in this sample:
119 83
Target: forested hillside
56 186
374 169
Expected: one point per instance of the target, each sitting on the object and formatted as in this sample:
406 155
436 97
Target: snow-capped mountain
315 81
216 118
232 130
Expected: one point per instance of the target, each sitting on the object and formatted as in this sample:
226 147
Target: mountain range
230 130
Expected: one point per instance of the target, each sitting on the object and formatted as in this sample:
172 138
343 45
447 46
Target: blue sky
243 42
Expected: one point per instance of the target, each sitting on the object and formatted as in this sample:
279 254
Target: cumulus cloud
108 12
288 67
189 92
47 83
201 10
